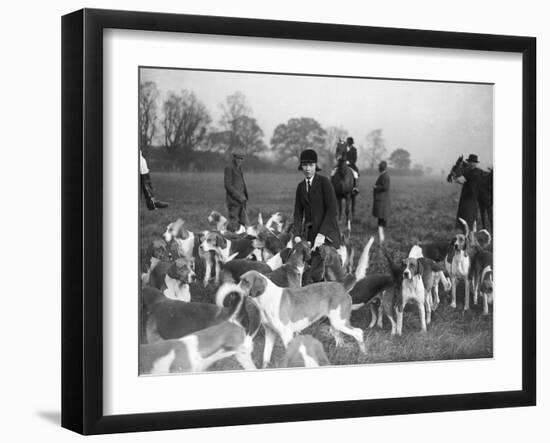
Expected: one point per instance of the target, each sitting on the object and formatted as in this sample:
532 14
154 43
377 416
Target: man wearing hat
350 155
351 158
315 210
381 199
236 194
468 203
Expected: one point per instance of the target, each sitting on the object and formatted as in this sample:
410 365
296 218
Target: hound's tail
224 291
363 263
465 226
253 321
351 279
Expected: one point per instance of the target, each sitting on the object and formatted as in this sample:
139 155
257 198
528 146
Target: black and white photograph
291 221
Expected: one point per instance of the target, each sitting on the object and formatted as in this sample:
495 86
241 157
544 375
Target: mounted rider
350 154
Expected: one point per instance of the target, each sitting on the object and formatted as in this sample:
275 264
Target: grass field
422 209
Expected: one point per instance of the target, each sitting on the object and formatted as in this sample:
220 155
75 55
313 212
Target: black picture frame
82 218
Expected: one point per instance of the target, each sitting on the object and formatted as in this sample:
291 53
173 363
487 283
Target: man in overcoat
351 157
381 203
315 211
236 194
468 204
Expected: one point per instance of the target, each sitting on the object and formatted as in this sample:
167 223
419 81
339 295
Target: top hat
237 153
472 158
308 156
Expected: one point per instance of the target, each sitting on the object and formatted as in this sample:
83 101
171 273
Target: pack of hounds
262 280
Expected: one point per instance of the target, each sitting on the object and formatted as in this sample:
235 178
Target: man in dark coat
381 194
315 211
468 203
147 186
351 158
236 194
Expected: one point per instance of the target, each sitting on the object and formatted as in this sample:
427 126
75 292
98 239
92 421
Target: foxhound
289 275
165 319
413 289
486 288
482 276
223 250
198 351
288 311
277 223
183 239
221 223
156 252
304 351
457 264
173 278
438 274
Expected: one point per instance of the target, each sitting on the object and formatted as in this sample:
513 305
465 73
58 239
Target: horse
342 182
484 191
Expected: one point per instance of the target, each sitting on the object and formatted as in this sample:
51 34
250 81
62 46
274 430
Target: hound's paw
453 305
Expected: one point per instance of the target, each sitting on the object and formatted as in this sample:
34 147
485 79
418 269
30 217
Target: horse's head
457 170
341 148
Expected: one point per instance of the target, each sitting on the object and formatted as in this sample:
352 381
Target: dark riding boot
355 189
147 189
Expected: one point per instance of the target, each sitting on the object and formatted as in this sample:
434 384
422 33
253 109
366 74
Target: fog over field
434 121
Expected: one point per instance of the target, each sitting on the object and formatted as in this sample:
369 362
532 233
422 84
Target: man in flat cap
236 194
315 210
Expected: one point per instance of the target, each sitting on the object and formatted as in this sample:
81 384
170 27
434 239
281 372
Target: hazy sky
435 122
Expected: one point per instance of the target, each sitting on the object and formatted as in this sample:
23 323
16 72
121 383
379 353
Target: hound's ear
419 267
285 253
258 286
221 241
173 271
307 253
404 263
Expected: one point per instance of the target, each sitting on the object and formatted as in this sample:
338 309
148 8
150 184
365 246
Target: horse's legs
353 206
348 204
339 209
483 213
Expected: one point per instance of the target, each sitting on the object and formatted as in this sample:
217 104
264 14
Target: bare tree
238 125
185 122
375 148
249 135
148 107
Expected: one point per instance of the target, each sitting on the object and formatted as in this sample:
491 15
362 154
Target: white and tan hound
173 278
288 311
183 239
223 251
457 264
198 351
221 223
304 351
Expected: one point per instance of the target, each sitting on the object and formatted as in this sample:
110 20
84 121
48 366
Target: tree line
185 130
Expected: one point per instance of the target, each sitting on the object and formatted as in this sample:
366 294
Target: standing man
147 186
236 194
381 194
468 203
315 211
351 157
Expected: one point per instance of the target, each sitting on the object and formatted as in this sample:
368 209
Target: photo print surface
290 221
